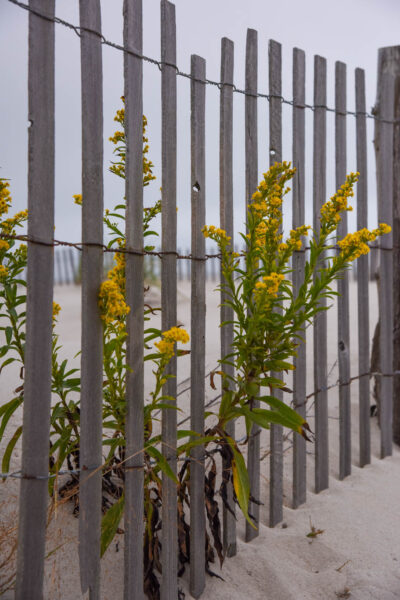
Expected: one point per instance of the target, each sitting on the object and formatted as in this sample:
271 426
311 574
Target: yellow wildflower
3 272
169 338
4 245
78 199
56 310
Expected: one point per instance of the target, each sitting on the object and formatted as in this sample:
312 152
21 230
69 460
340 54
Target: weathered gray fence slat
37 392
134 475
251 142
299 259
275 155
198 326
362 273
343 282
320 321
384 145
90 497
226 220
169 585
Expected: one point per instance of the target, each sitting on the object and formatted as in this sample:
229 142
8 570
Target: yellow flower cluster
330 211
8 225
269 284
78 199
355 244
112 303
4 245
3 272
169 338
112 291
5 197
266 206
215 233
56 310
119 138
294 240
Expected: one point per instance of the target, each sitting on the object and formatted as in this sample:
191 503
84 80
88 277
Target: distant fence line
89 270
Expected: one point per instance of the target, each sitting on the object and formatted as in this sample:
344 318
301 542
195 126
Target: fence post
253 459
37 392
275 155
320 320
393 55
90 483
198 325
169 584
298 265
134 474
226 220
363 274
384 159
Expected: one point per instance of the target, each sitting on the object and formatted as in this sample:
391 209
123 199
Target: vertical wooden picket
275 155
37 384
134 268
362 273
226 221
90 495
298 217
320 321
198 326
169 582
384 147
251 141
343 282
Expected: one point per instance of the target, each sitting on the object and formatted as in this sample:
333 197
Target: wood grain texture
134 475
37 384
169 583
251 143
343 282
384 149
226 223
198 326
92 275
320 321
298 216
275 155
363 274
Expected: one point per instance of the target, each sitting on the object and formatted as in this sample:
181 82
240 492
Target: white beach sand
357 555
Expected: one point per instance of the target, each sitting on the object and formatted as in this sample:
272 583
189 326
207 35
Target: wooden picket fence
34 492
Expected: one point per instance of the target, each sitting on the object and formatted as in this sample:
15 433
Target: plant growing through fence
265 341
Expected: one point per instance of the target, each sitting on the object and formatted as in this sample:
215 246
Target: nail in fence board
343 282
275 155
251 142
90 499
198 326
37 392
226 220
298 217
134 475
320 321
169 584
384 147
362 273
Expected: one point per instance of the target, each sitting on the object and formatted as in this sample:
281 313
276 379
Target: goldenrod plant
265 338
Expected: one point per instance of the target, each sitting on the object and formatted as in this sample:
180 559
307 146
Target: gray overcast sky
346 30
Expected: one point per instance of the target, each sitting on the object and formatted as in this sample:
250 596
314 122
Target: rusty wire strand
220 85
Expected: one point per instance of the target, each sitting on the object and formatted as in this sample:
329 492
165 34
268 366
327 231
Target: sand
357 553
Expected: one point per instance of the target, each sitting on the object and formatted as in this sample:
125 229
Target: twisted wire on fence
337 384
158 63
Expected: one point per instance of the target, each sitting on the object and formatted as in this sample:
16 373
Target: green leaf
110 523
5 465
241 481
162 462
7 410
8 332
